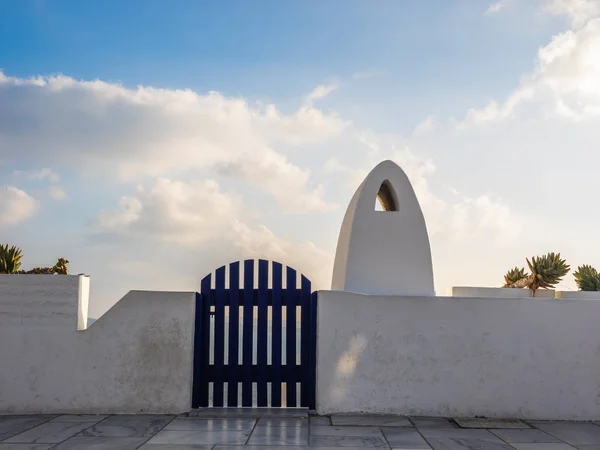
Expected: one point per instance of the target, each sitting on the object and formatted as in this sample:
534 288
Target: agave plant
587 278
546 271
61 267
10 259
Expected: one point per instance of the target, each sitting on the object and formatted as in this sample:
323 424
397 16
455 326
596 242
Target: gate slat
290 324
248 332
276 336
219 348
234 334
305 342
198 360
261 338
313 352
205 344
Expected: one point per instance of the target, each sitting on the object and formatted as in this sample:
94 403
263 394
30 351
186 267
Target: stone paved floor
233 429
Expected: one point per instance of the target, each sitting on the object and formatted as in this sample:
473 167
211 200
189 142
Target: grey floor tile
456 433
433 422
524 436
128 426
279 436
588 447
282 422
25 446
176 447
370 421
274 447
490 423
191 424
322 421
405 438
101 443
348 441
345 431
539 446
13 425
468 444
49 433
79 418
249 412
201 437
572 433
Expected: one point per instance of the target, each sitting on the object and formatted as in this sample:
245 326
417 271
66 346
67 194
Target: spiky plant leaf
547 270
514 275
587 278
10 259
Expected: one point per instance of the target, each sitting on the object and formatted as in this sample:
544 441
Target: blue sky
351 82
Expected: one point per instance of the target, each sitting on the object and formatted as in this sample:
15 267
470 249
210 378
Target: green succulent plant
514 275
587 278
546 271
10 259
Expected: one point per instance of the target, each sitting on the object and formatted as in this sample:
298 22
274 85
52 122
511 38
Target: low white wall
459 357
467 291
135 358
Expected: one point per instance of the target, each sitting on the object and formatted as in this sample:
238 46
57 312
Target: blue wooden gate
273 354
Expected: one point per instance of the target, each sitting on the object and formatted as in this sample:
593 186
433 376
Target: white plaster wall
465 291
581 295
135 358
531 358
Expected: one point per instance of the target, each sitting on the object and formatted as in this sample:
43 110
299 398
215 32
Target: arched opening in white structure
387 200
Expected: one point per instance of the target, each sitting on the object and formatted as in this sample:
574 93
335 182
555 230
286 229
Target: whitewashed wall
461 357
135 358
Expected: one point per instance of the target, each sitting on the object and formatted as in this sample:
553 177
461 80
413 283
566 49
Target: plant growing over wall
10 259
10 262
546 271
587 278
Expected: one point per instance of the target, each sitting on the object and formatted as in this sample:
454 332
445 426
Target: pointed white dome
384 252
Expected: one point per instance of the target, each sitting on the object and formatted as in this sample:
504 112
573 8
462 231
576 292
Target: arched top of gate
258 273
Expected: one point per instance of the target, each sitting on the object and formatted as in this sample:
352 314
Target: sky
151 142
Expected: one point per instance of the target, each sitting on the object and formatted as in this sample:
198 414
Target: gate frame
261 373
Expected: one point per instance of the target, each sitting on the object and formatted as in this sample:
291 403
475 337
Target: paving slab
270 436
25 446
348 441
249 412
525 436
370 421
282 422
101 443
456 433
490 423
405 438
128 426
539 446
468 444
345 431
49 433
320 421
79 418
176 447
433 422
13 425
197 424
574 433
201 437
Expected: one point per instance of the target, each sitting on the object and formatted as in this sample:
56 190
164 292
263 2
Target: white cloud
99 126
57 193
16 206
42 174
425 126
321 91
184 212
564 84
578 11
497 6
